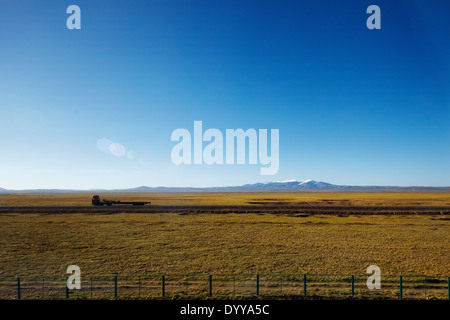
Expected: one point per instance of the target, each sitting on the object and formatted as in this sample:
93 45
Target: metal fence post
210 285
139 292
352 279
425 285
115 286
18 288
304 284
400 293
281 285
67 289
448 288
163 285
257 284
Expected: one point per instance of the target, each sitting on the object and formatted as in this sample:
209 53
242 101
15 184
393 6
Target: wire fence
225 286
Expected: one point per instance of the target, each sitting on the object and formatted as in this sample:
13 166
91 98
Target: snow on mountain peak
294 181
309 181
285 181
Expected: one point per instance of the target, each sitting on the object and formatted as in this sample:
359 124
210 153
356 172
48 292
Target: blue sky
354 106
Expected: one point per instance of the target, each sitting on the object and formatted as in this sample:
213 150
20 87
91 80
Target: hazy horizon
222 186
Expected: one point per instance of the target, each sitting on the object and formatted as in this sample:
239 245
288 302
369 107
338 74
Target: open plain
323 233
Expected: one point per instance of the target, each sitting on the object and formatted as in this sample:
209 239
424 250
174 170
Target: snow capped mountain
288 185
285 181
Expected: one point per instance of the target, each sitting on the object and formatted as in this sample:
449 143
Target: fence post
400 293
425 286
448 288
67 289
91 289
257 284
43 288
281 284
139 292
210 285
304 284
352 279
115 286
163 285
18 288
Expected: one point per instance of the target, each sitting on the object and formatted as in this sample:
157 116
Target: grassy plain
235 198
139 243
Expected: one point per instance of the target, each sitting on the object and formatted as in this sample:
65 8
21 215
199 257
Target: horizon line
218 187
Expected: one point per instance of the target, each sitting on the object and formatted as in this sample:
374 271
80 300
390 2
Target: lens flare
130 155
117 149
104 144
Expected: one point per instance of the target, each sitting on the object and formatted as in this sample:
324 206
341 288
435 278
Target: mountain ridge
274 186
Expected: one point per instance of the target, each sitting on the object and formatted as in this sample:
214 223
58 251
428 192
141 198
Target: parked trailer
97 202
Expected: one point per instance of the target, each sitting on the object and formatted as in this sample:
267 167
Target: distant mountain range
277 186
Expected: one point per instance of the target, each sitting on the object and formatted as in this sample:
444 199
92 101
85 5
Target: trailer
97 202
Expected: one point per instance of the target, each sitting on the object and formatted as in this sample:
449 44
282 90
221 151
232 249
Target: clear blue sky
354 106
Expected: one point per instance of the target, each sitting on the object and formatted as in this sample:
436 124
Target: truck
97 202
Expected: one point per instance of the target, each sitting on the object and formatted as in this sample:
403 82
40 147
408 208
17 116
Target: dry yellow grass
354 198
136 243
34 244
